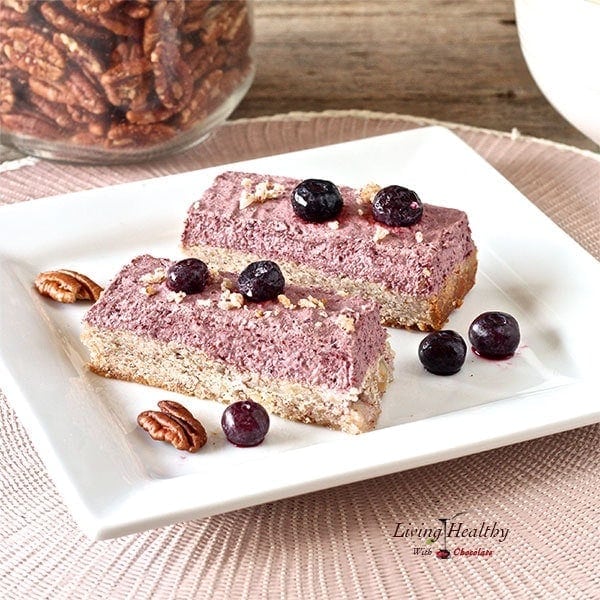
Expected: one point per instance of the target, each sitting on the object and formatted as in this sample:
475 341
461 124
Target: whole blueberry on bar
317 200
443 352
397 206
245 423
261 280
189 275
494 335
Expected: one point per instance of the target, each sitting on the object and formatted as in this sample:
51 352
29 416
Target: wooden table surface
451 60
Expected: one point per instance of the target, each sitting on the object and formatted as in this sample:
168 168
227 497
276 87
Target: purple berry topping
189 275
261 280
443 352
245 423
316 200
494 335
397 206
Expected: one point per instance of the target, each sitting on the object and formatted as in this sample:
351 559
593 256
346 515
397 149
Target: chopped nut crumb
263 190
306 303
346 323
157 276
318 324
176 297
367 193
419 236
226 284
214 275
204 302
361 212
196 205
311 302
380 233
285 301
426 272
319 303
229 300
342 293
149 290
333 224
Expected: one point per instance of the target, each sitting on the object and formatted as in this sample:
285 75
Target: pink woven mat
533 505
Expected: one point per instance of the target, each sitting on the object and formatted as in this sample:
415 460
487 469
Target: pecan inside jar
115 79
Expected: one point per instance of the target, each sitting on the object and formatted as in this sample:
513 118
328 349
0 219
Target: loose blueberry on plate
397 206
316 200
494 335
443 352
245 423
189 275
261 280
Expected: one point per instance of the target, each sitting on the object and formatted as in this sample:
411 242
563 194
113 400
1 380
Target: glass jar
113 81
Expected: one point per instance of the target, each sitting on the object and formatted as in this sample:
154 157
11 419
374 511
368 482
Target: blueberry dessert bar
416 260
308 355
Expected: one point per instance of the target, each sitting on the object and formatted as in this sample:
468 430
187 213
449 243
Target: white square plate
116 480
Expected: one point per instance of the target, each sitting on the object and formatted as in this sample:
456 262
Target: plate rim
116 523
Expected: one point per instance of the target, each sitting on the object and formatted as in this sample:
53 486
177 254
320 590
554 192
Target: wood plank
452 60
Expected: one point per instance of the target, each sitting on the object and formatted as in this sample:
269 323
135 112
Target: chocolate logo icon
444 553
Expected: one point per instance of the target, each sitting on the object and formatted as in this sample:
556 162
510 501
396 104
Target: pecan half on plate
174 424
63 285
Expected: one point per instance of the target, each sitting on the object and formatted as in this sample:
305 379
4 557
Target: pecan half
32 52
7 95
222 21
65 21
89 61
126 83
11 17
124 52
86 93
67 286
95 124
95 7
203 59
237 24
160 25
56 112
126 134
71 7
21 6
28 123
76 91
121 23
149 113
173 78
194 15
137 10
85 138
206 92
174 424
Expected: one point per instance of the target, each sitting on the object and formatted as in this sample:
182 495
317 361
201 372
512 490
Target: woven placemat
533 506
